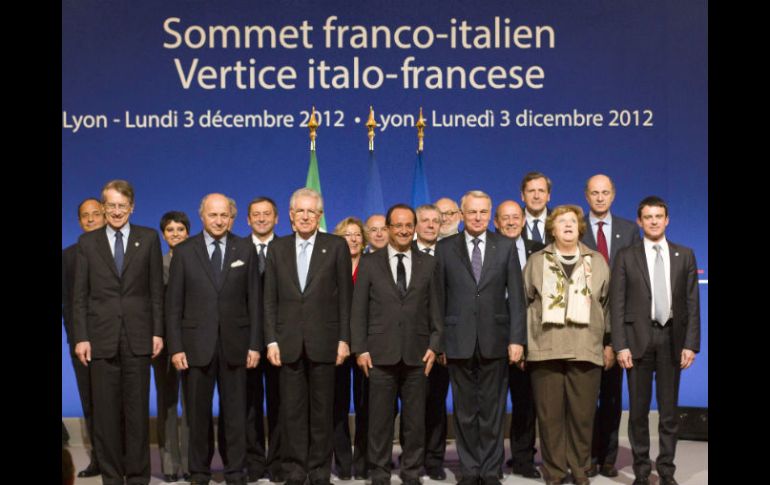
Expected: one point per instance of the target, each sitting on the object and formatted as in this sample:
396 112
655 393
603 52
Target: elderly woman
567 288
172 431
352 229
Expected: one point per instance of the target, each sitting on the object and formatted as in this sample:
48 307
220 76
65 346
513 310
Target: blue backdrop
649 57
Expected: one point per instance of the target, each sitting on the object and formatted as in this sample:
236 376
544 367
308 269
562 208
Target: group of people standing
548 307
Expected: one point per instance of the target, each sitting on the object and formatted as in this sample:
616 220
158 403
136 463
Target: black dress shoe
668 481
361 476
277 476
436 473
641 481
592 471
186 477
343 476
255 474
90 471
170 478
527 471
468 481
608 471
411 481
490 480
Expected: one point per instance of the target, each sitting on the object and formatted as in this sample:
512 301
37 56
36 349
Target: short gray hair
477 194
307 192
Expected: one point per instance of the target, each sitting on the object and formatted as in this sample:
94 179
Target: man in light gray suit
608 235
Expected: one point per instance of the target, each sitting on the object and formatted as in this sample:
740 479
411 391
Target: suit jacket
390 327
624 233
199 311
68 255
530 247
104 301
631 294
481 311
319 317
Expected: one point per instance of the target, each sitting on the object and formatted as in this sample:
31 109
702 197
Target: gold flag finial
370 126
313 125
420 131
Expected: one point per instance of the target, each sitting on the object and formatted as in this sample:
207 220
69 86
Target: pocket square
237 263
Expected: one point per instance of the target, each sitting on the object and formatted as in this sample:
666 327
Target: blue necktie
476 260
536 236
302 264
119 251
216 260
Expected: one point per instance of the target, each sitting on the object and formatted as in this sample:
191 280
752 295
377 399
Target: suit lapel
131 248
203 254
641 261
317 257
292 262
229 257
590 240
462 251
675 260
103 248
384 260
490 256
417 260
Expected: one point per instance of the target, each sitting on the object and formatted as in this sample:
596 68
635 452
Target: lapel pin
676 254
323 251
617 236
136 244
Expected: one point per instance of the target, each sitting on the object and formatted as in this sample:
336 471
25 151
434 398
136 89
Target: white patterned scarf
558 307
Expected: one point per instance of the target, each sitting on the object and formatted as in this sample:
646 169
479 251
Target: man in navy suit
482 300
91 218
655 313
118 328
608 234
213 323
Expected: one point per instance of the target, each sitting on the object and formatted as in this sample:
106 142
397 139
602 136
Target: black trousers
385 384
607 420
478 392
341 447
522 432
307 402
261 383
173 432
231 382
435 416
83 379
658 360
121 391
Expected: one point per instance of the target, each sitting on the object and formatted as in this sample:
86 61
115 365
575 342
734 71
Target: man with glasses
308 287
450 217
118 328
376 233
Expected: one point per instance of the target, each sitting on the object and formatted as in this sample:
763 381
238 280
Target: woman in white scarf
567 286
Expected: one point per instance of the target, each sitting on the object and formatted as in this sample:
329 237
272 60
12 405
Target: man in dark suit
376 233
481 328
608 235
655 313
536 193
308 289
427 230
450 217
213 322
118 327
509 221
262 382
90 218
396 354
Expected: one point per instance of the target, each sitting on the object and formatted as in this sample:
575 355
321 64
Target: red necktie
601 243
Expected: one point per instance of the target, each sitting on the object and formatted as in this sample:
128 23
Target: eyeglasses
353 235
111 206
450 213
376 229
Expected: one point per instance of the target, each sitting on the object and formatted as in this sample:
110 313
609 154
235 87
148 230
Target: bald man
376 233
608 235
214 331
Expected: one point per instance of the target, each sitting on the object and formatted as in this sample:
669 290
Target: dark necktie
536 236
262 258
476 260
601 242
427 251
216 260
401 274
119 251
